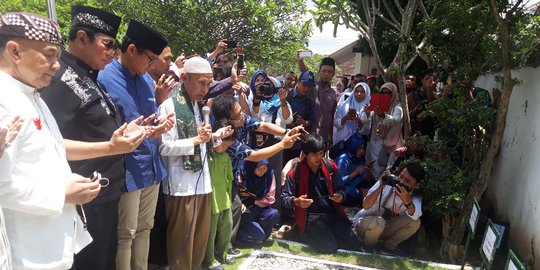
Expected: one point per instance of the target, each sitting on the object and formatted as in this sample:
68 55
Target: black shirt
84 112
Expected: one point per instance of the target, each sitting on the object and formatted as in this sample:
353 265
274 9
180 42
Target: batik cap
95 19
30 26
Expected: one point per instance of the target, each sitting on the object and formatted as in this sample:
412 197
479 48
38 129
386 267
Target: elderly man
132 90
38 192
188 186
85 113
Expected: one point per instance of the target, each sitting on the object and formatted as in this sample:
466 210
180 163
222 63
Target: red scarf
300 214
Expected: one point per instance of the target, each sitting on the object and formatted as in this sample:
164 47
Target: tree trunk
480 185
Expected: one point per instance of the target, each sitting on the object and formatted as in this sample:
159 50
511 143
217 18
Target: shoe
229 260
392 252
234 252
216 266
367 249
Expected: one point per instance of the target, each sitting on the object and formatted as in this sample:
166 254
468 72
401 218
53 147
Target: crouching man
314 191
391 213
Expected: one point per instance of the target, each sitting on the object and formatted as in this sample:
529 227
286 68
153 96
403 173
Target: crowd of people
112 156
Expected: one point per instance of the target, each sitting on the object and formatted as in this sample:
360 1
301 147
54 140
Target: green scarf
186 127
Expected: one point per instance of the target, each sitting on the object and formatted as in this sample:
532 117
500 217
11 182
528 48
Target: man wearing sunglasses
85 113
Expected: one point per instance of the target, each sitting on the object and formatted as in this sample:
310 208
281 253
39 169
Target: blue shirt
134 96
304 107
250 124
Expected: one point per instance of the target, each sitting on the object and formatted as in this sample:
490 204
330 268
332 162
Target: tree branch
398 6
390 12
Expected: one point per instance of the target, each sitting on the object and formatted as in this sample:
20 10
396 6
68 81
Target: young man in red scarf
314 191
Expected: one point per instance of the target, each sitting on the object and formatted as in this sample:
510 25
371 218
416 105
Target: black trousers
328 232
102 222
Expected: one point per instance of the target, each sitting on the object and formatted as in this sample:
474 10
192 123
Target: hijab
352 144
394 101
258 185
351 100
271 105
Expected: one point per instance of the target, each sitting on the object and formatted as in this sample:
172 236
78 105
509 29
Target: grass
373 261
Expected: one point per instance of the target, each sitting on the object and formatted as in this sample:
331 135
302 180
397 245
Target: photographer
269 105
391 213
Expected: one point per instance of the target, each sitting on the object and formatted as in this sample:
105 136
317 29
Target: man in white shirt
38 192
187 187
391 213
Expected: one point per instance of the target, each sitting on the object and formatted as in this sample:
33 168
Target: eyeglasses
110 44
152 59
239 117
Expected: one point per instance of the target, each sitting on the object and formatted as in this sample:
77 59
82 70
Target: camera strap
385 199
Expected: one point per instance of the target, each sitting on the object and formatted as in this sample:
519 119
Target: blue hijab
351 145
258 185
271 105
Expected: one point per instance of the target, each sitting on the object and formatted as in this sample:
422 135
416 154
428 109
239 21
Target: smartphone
240 62
352 111
231 44
305 54
303 135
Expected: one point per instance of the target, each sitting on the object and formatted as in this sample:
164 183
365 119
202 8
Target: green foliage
270 31
452 159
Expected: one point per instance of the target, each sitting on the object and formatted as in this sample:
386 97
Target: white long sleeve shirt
393 203
180 182
43 231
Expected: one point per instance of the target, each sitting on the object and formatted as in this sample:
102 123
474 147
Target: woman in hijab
348 115
353 169
274 109
258 189
385 132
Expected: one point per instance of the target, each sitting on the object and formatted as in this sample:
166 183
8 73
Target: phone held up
305 54
240 62
231 44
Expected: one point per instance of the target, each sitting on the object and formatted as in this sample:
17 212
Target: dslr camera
393 181
269 88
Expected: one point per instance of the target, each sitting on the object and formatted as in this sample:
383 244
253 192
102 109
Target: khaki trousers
185 248
135 220
372 228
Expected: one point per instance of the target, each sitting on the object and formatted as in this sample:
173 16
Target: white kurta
5 252
180 182
34 175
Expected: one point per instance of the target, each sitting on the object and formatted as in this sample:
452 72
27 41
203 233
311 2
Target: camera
269 88
393 181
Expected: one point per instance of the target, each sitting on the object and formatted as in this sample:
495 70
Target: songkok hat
146 37
95 19
30 26
328 61
197 65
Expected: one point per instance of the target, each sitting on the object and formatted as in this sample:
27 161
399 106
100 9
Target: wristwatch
409 206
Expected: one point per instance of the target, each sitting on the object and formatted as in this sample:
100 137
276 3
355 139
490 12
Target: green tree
270 31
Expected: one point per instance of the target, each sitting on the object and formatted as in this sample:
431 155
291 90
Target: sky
324 42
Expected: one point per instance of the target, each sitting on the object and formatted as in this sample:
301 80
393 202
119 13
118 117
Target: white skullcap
197 65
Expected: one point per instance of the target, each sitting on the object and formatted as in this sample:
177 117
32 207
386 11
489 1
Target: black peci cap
95 19
328 61
146 37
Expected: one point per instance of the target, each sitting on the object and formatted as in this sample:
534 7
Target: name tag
152 99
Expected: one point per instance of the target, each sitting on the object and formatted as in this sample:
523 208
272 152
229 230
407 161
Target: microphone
206 114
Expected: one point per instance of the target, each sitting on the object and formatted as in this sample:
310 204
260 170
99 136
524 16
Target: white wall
514 191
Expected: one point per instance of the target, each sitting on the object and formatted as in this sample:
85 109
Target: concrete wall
514 193
365 64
